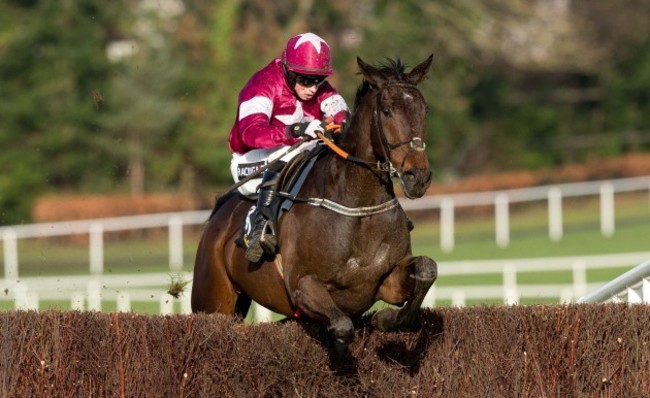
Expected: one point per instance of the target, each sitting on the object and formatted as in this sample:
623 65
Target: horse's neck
363 184
357 141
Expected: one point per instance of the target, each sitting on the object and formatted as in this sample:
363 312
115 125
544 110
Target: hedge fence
515 351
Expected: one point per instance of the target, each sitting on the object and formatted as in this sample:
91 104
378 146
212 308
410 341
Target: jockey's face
305 93
307 86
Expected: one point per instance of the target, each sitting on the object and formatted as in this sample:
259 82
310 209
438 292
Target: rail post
430 298
607 209
458 298
510 293
447 225
579 269
10 247
175 243
93 288
96 233
166 304
555 228
502 219
123 302
77 301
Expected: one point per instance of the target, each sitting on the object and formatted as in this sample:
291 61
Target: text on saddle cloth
246 169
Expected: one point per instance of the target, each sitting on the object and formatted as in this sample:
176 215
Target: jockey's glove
305 129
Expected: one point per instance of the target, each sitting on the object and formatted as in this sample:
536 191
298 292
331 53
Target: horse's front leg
407 285
313 298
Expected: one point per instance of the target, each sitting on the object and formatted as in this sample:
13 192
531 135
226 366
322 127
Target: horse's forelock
392 69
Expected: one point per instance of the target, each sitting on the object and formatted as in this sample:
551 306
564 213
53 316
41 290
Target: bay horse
348 247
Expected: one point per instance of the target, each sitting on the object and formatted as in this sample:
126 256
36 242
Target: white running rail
88 292
553 194
87 297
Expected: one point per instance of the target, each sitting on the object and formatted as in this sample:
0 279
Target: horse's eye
386 110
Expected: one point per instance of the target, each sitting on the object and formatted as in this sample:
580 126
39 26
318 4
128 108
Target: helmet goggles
309 81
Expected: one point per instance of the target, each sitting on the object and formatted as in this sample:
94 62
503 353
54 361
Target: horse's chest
371 237
368 266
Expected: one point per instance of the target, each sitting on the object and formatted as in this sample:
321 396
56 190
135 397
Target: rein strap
385 166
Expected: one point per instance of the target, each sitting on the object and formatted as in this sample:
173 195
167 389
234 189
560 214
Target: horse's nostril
413 176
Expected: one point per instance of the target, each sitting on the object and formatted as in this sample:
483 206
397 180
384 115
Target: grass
474 235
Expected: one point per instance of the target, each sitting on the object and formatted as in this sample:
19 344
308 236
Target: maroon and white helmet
308 54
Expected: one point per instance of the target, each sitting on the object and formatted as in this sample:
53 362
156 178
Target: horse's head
398 132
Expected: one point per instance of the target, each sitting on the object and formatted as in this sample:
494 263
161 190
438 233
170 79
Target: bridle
415 143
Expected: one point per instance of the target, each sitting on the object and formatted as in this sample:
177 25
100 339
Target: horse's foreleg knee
312 297
424 271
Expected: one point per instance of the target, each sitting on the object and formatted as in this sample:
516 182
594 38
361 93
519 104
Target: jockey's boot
261 239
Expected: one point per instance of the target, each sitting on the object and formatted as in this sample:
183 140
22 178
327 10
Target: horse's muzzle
415 182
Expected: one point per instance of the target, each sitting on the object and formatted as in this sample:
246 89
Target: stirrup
265 244
269 241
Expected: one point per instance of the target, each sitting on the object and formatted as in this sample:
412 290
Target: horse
349 245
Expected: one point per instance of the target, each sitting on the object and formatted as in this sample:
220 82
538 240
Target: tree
51 61
514 84
142 112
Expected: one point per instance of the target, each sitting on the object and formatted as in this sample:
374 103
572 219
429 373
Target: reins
381 166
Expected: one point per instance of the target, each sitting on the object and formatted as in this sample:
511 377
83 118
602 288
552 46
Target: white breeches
245 164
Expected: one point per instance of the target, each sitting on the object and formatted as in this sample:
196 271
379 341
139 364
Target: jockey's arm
258 132
333 106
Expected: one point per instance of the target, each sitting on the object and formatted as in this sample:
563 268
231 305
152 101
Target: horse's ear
420 72
371 74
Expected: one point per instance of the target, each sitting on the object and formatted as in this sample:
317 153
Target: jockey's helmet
308 54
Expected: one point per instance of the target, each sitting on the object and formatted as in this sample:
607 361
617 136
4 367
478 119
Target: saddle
289 182
292 177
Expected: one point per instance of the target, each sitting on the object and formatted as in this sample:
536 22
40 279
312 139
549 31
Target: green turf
475 238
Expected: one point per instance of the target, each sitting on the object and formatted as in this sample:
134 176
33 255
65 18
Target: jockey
282 103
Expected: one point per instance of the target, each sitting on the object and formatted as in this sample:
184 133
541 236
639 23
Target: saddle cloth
292 177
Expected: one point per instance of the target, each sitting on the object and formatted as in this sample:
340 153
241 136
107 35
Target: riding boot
261 239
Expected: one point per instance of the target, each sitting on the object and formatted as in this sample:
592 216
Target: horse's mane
389 67
220 200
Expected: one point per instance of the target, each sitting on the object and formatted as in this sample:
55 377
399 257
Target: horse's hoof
342 331
340 348
385 320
